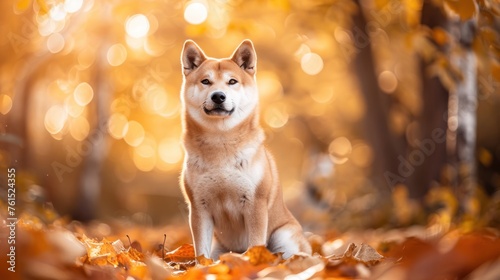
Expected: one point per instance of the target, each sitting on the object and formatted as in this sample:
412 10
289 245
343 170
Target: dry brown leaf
348 253
367 255
157 268
300 263
100 253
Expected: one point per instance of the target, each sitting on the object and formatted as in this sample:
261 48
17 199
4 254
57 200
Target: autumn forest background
381 114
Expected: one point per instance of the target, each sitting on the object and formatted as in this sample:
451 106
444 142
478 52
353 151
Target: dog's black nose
218 97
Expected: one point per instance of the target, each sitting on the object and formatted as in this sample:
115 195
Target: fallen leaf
219 269
307 273
233 259
260 255
300 263
100 253
68 247
138 269
367 255
184 253
204 260
158 269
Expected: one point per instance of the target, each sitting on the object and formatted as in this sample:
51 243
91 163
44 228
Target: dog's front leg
202 231
256 222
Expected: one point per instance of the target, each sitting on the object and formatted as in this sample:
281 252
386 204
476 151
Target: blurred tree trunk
17 119
450 109
442 109
89 187
434 115
386 146
89 183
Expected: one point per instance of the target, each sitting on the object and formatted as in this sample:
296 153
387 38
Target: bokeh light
83 94
118 125
155 99
72 107
137 26
135 134
276 116
5 104
340 148
72 6
116 55
195 13
269 84
311 63
387 81
323 94
170 150
57 12
55 43
79 128
145 154
55 118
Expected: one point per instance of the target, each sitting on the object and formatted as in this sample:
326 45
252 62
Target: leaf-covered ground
61 249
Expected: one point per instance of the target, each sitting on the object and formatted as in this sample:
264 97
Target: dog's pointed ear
246 57
192 56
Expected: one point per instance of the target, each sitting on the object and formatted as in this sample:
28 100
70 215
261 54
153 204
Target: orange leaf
138 270
184 253
260 255
204 260
219 269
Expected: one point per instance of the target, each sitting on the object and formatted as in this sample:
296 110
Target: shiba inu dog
229 179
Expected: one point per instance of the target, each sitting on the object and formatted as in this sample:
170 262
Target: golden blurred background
90 113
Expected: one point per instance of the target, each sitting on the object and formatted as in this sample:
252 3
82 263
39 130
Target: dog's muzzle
218 106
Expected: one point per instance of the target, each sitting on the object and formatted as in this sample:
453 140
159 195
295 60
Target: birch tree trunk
463 105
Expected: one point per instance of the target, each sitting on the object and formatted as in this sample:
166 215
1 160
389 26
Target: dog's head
219 93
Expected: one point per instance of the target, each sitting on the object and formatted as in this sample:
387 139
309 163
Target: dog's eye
205 81
233 81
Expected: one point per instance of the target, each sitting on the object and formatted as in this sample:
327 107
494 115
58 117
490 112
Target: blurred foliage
75 71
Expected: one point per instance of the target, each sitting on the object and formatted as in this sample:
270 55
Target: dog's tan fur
229 179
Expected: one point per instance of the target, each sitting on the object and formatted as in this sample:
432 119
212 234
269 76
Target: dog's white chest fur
224 186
